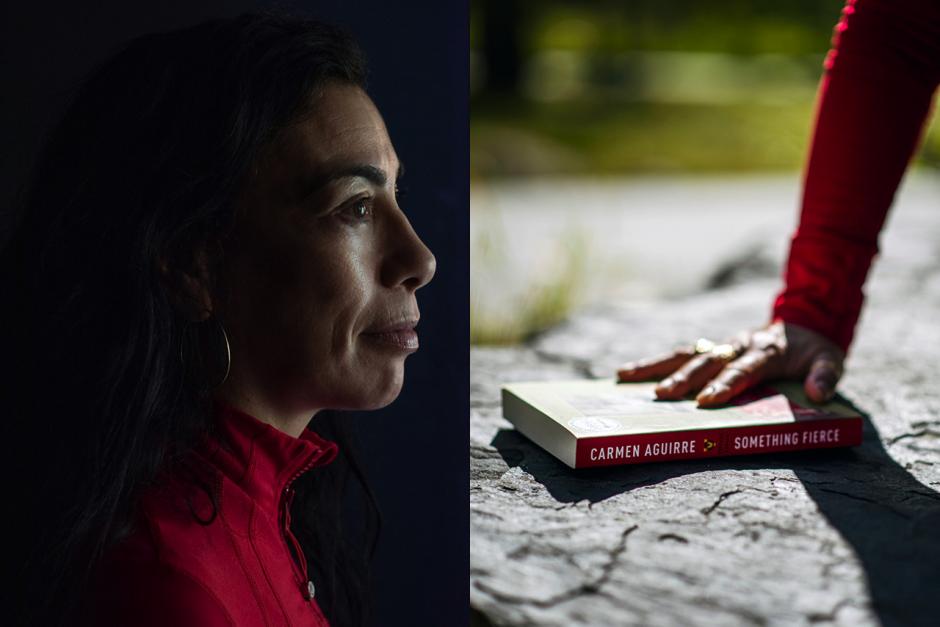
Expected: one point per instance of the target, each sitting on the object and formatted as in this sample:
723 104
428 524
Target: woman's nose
410 262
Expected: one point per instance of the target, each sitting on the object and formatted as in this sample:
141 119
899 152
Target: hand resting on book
778 351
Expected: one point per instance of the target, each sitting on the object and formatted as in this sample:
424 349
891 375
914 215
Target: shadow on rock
890 519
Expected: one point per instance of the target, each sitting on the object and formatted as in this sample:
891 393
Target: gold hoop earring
225 346
228 352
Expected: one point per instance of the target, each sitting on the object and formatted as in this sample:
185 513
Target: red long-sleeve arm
873 102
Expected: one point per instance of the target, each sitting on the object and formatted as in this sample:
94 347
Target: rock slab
839 537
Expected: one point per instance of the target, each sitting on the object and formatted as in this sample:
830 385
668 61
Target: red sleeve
132 587
873 101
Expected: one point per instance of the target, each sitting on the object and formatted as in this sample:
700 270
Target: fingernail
662 389
712 389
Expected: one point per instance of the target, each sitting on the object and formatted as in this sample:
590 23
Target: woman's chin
387 395
378 391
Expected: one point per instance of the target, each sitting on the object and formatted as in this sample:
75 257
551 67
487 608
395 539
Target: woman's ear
187 285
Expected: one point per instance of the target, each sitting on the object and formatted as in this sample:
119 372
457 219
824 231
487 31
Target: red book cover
601 422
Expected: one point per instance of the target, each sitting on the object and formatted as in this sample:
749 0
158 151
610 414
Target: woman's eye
358 211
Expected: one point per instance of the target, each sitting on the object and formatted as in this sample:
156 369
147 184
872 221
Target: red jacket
881 75
237 570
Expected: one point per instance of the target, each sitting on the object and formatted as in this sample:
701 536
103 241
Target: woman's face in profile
323 265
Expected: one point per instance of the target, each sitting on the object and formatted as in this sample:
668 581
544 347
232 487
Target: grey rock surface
840 537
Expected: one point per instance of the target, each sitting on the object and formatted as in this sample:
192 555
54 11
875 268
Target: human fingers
824 374
654 368
739 375
690 377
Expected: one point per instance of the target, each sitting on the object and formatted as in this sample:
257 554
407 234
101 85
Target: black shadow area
891 520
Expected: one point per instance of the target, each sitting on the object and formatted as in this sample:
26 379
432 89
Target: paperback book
599 422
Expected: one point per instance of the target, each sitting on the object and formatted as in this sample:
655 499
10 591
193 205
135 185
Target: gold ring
725 352
703 345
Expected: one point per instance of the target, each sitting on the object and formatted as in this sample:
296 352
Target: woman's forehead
343 126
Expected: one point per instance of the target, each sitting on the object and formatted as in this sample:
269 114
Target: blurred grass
615 138
536 308
929 154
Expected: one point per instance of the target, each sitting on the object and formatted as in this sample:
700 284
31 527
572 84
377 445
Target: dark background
415 451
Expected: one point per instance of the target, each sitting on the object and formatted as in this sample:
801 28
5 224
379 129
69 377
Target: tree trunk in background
502 51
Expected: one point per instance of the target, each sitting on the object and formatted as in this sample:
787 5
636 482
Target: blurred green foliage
732 26
613 87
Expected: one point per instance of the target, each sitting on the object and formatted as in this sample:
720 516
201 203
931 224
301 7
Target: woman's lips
402 337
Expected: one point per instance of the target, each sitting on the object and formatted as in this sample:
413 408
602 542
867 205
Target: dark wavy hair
144 166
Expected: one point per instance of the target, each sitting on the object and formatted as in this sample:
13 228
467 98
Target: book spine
699 443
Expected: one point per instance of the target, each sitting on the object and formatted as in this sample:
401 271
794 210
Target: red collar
262 459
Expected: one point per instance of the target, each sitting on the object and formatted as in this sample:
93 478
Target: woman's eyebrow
374 175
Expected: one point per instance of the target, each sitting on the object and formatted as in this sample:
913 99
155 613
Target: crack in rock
581 366
867 500
914 434
828 617
708 510
608 568
671 536
588 587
